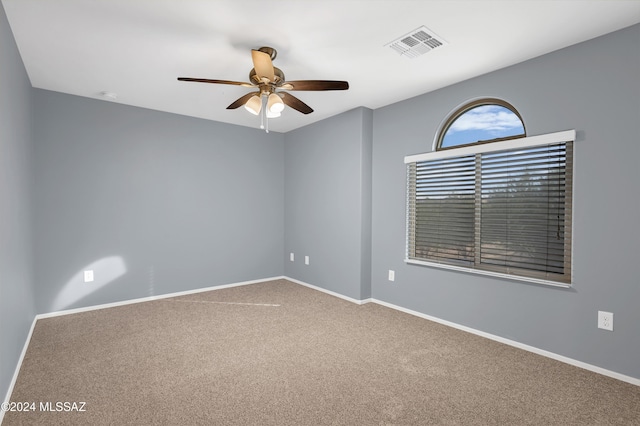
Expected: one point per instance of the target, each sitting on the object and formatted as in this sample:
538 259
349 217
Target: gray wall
158 203
161 202
594 88
16 297
328 203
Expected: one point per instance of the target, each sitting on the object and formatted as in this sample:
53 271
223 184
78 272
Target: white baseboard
111 305
151 298
561 358
14 379
516 344
332 293
509 342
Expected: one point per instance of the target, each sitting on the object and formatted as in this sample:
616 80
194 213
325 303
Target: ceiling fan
272 94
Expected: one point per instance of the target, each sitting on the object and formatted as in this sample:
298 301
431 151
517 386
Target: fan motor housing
277 72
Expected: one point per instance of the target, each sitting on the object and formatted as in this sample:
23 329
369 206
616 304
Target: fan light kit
268 101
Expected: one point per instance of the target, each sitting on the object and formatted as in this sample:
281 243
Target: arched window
481 121
491 200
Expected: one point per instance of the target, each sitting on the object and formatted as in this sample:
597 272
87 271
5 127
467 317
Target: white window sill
488 273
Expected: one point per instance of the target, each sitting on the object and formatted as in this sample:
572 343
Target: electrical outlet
291 257
88 276
605 320
392 275
306 260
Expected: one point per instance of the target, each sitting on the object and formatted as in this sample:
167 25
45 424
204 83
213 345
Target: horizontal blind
505 211
523 210
442 221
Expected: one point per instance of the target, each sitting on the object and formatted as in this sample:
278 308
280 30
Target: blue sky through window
484 122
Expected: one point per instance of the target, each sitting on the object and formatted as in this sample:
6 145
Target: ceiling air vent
417 42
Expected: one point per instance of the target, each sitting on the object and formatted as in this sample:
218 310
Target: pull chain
263 110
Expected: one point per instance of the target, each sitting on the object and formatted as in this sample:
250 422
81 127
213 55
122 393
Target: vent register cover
417 42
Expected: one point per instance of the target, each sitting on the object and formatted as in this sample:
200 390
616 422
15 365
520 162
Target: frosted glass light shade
253 105
275 104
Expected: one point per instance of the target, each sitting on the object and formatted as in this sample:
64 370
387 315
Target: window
486 120
501 208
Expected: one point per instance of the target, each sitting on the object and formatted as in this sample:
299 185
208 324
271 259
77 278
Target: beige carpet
278 353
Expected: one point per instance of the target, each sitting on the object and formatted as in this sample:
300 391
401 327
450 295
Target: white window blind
504 209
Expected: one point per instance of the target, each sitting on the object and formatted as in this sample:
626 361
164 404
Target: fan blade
206 80
242 100
295 103
315 85
262 64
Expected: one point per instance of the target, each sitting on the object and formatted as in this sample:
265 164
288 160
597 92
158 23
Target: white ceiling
137 48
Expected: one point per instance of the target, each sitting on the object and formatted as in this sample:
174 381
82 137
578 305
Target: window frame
468 106
502 145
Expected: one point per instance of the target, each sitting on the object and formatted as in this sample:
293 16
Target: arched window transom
481 121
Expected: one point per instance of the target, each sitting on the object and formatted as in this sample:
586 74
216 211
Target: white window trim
490 273
549 138
546 139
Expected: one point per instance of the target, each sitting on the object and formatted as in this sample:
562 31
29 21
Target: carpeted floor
278 353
